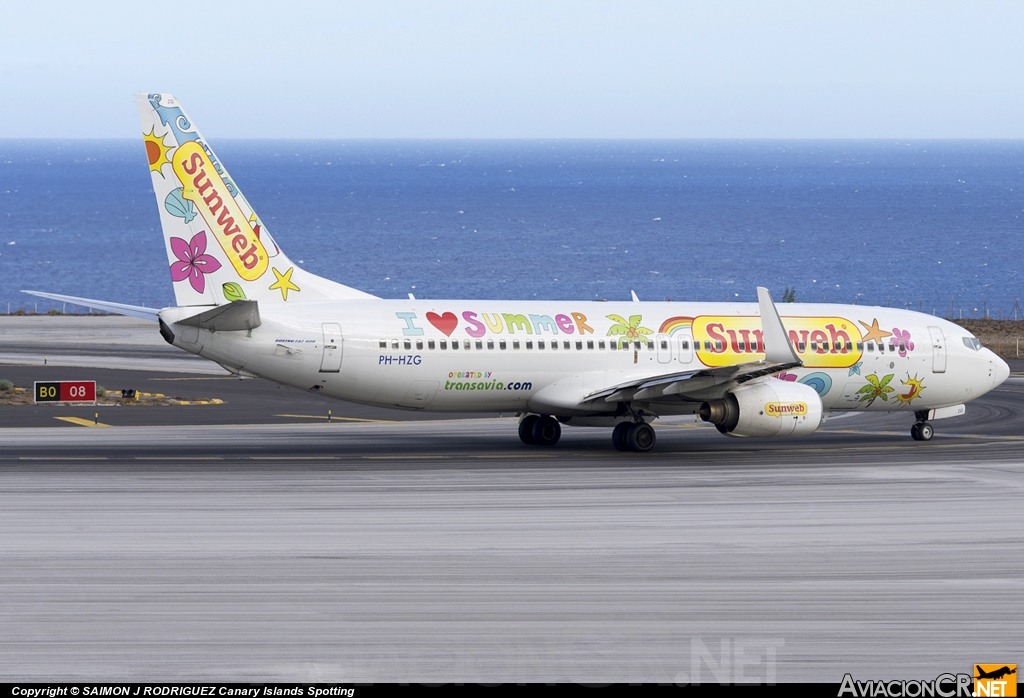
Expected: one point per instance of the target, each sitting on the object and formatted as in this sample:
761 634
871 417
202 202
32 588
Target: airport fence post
328 416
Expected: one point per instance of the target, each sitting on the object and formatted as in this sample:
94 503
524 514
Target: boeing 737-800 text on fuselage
242 303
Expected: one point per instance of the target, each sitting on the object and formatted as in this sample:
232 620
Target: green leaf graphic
233 292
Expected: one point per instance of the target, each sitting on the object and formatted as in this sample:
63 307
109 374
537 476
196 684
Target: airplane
995 674
742 367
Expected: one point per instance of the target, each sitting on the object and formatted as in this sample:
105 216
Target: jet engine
769 408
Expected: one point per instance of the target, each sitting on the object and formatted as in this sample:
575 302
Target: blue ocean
931 225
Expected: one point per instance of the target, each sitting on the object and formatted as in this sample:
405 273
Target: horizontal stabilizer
105 306
237 315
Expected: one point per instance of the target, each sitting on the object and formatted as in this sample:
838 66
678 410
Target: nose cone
1002 372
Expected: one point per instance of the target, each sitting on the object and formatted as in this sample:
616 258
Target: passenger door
333 347
938 350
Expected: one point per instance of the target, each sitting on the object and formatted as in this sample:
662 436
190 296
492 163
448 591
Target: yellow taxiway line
82 422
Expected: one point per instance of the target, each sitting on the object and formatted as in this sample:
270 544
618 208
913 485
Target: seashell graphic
179 206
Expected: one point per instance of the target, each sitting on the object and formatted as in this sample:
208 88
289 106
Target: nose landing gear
922 431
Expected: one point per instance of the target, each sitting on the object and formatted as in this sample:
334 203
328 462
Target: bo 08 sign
65 391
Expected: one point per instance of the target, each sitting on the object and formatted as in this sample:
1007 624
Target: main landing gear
633 436
922 430
535 430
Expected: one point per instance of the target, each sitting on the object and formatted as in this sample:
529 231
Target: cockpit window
972 343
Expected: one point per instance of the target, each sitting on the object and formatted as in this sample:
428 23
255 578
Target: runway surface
446 551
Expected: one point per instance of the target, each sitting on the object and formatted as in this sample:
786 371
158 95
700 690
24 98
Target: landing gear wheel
640 437
546 431
925 431
526 429
619 436
915 432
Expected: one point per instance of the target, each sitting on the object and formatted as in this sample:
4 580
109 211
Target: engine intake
770 408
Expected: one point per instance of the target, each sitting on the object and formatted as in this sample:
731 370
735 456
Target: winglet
776 341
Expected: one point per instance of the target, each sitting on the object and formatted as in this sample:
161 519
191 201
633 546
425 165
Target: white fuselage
492 356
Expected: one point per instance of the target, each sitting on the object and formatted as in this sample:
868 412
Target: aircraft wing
707 383
105 306
698 385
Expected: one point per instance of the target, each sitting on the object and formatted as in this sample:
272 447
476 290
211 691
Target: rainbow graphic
674 324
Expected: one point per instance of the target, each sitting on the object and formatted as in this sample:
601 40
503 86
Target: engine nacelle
771 408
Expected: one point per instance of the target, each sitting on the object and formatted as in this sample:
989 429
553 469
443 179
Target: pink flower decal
902 340
193 261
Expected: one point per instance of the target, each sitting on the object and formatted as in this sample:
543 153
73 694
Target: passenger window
455 344
892 347
685 345
490 343
384 343
430 344
707 345
540 343
650 345
613 345
743 346
600 344
718 345
903 347
579 345
502 345
407 344
465 344
515 343
529 344
664 344
554 344
803 347
814 346
444 343
590 344
753 345
636 346
565 344
394 344
871 347
860 346
479 344
849 346
419 344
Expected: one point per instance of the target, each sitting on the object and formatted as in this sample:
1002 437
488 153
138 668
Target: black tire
925 431
546 431
640 437
526 429
619 436
915 432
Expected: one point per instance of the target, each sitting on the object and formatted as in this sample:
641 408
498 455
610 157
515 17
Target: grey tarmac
447 551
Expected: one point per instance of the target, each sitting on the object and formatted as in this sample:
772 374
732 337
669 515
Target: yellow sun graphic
156 151
914 388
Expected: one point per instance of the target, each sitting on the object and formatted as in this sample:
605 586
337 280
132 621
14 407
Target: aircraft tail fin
218 249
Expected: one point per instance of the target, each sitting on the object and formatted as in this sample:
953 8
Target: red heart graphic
446 323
